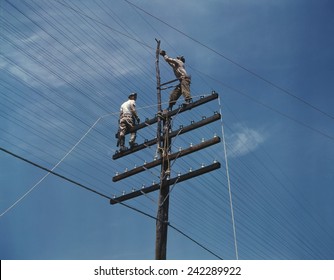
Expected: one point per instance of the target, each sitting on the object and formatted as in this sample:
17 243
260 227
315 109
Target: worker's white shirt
177 65
128 107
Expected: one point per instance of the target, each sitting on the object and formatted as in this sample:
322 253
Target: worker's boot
188 101
132 142
121 143
171 104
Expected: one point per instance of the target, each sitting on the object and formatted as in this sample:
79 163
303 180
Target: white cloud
244 141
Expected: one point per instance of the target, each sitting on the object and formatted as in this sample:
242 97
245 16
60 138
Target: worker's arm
171 61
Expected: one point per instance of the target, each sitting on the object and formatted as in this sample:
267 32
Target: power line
229 184
53 172
103 24
272 108
233 62
230 60
200 218
197 41
187 236
50 171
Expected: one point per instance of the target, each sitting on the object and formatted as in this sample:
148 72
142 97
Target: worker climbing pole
163 139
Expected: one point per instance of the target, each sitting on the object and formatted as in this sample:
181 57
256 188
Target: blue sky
67 66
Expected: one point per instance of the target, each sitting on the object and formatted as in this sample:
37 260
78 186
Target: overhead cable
234 62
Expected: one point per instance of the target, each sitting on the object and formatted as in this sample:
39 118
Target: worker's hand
138 120
162 52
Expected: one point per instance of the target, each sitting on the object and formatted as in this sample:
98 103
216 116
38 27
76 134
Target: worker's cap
181 57
134 94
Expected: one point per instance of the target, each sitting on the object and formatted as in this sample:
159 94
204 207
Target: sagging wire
228 183
57 164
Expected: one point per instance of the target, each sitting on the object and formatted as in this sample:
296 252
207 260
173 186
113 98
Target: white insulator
203 139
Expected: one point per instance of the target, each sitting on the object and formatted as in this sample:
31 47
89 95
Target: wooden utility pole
157 53
163 202
163 140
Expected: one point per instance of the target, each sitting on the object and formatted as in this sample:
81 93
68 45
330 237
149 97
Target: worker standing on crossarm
127 120
180 73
